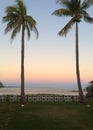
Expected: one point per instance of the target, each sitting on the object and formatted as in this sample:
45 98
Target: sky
50 59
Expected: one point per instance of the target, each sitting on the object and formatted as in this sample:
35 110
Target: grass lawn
46 116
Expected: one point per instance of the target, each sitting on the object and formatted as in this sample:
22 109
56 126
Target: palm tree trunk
81 96
22 100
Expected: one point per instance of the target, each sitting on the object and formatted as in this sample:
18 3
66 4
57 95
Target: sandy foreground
16 91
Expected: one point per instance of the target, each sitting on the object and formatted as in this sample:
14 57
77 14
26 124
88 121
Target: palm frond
62 12
68 4
18 23
28 30
16 28
32 25
15 16
9 27
30 20
88 19
21 7
14 33
75 5
12 9
61 1
10 17
84 13
12 23
86 4
35 31
66 28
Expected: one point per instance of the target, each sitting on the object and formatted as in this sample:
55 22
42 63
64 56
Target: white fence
40 98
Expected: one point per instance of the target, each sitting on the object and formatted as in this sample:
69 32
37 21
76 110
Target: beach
16 91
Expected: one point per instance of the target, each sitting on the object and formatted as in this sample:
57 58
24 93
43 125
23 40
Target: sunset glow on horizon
50 58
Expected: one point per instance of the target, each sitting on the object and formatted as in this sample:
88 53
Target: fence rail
40 98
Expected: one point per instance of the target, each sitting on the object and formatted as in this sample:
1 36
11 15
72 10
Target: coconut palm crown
17 20
76 9
16 17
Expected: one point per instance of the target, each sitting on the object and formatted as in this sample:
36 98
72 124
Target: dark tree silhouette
76 9
17 20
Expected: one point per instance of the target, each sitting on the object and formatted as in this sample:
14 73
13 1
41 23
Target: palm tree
76 9
17 20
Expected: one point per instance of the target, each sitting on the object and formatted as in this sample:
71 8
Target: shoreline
29 91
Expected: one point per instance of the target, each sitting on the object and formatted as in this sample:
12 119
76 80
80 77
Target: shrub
89 90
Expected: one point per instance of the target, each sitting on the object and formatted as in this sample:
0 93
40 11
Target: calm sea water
46 85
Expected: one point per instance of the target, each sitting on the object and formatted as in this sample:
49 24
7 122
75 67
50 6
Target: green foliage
76 9
16 16
89 89
17 19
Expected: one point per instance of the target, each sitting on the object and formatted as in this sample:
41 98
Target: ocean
46 85
62 89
